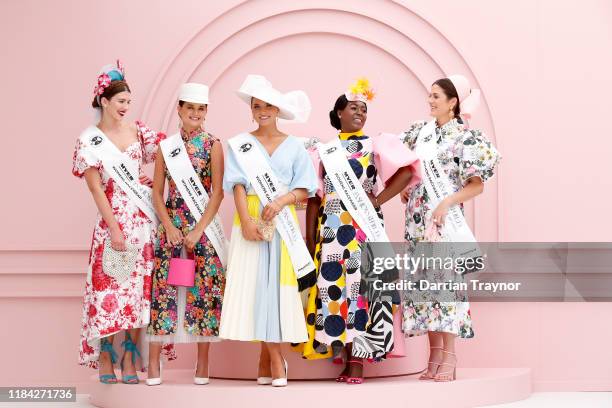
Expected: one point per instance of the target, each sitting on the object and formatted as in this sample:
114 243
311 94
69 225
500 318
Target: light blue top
290 162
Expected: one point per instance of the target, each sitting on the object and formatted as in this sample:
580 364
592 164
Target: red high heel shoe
355 380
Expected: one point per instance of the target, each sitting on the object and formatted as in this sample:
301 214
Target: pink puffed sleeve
150 141
390 154
310 144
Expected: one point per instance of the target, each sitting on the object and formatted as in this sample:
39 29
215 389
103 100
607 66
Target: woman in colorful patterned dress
114 302
338 310
180 314
468 159
262 301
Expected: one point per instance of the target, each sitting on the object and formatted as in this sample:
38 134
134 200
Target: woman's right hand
250 232
404 195
117 239
174 236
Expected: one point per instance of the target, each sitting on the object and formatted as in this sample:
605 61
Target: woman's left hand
191 239
271 210
144 179
439 214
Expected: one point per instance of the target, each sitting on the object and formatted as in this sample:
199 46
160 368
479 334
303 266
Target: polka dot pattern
340 317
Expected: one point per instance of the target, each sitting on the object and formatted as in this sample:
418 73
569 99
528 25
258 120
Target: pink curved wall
544 88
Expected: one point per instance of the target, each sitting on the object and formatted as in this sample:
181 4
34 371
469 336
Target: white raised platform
474 387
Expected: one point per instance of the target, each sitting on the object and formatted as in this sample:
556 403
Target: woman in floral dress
468 159
180 314
112 305
337 311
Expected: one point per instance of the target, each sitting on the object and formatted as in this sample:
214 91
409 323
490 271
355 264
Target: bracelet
295 200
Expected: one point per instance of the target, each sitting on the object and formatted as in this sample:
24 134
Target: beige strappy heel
425 375
453 372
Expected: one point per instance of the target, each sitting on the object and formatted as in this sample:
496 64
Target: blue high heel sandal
129 345
107 347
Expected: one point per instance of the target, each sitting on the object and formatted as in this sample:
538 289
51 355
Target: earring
451 113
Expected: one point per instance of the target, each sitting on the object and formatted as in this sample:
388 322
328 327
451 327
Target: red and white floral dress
109 306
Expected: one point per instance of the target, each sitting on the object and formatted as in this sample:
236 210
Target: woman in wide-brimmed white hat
261 301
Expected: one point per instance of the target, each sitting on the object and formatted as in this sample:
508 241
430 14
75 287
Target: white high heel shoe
157 380
201 380
264 380
281 382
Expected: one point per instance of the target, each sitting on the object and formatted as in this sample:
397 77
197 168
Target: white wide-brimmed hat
194 93
293 106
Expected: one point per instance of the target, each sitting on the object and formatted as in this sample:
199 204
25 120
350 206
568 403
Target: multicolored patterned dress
463 154
109 306
262 301
179 314
337 310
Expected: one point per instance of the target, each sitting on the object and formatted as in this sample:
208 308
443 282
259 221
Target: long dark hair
451 92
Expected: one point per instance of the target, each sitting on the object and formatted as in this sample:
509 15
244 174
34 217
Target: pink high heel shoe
438 378
425 375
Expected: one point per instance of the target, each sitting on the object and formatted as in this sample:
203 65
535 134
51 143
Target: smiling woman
110 156
338 312
191 164
268 172
466 159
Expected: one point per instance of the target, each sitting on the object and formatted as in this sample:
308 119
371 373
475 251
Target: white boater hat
293 106
194 93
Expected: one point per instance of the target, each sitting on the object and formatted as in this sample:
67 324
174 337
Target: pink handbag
181 271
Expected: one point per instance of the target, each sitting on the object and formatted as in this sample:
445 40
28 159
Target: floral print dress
179 314
463 154
110 306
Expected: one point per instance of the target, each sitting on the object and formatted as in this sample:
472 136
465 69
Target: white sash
192 191
266 185
438 187
121 169
351 191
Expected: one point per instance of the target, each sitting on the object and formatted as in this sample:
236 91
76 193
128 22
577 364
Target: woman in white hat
262 301
110 156
468 159
182 314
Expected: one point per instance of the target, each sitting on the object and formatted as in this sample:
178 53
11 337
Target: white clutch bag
119 264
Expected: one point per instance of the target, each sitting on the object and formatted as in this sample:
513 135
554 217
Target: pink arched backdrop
544 106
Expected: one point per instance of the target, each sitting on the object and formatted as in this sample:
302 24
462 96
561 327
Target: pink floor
474 388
